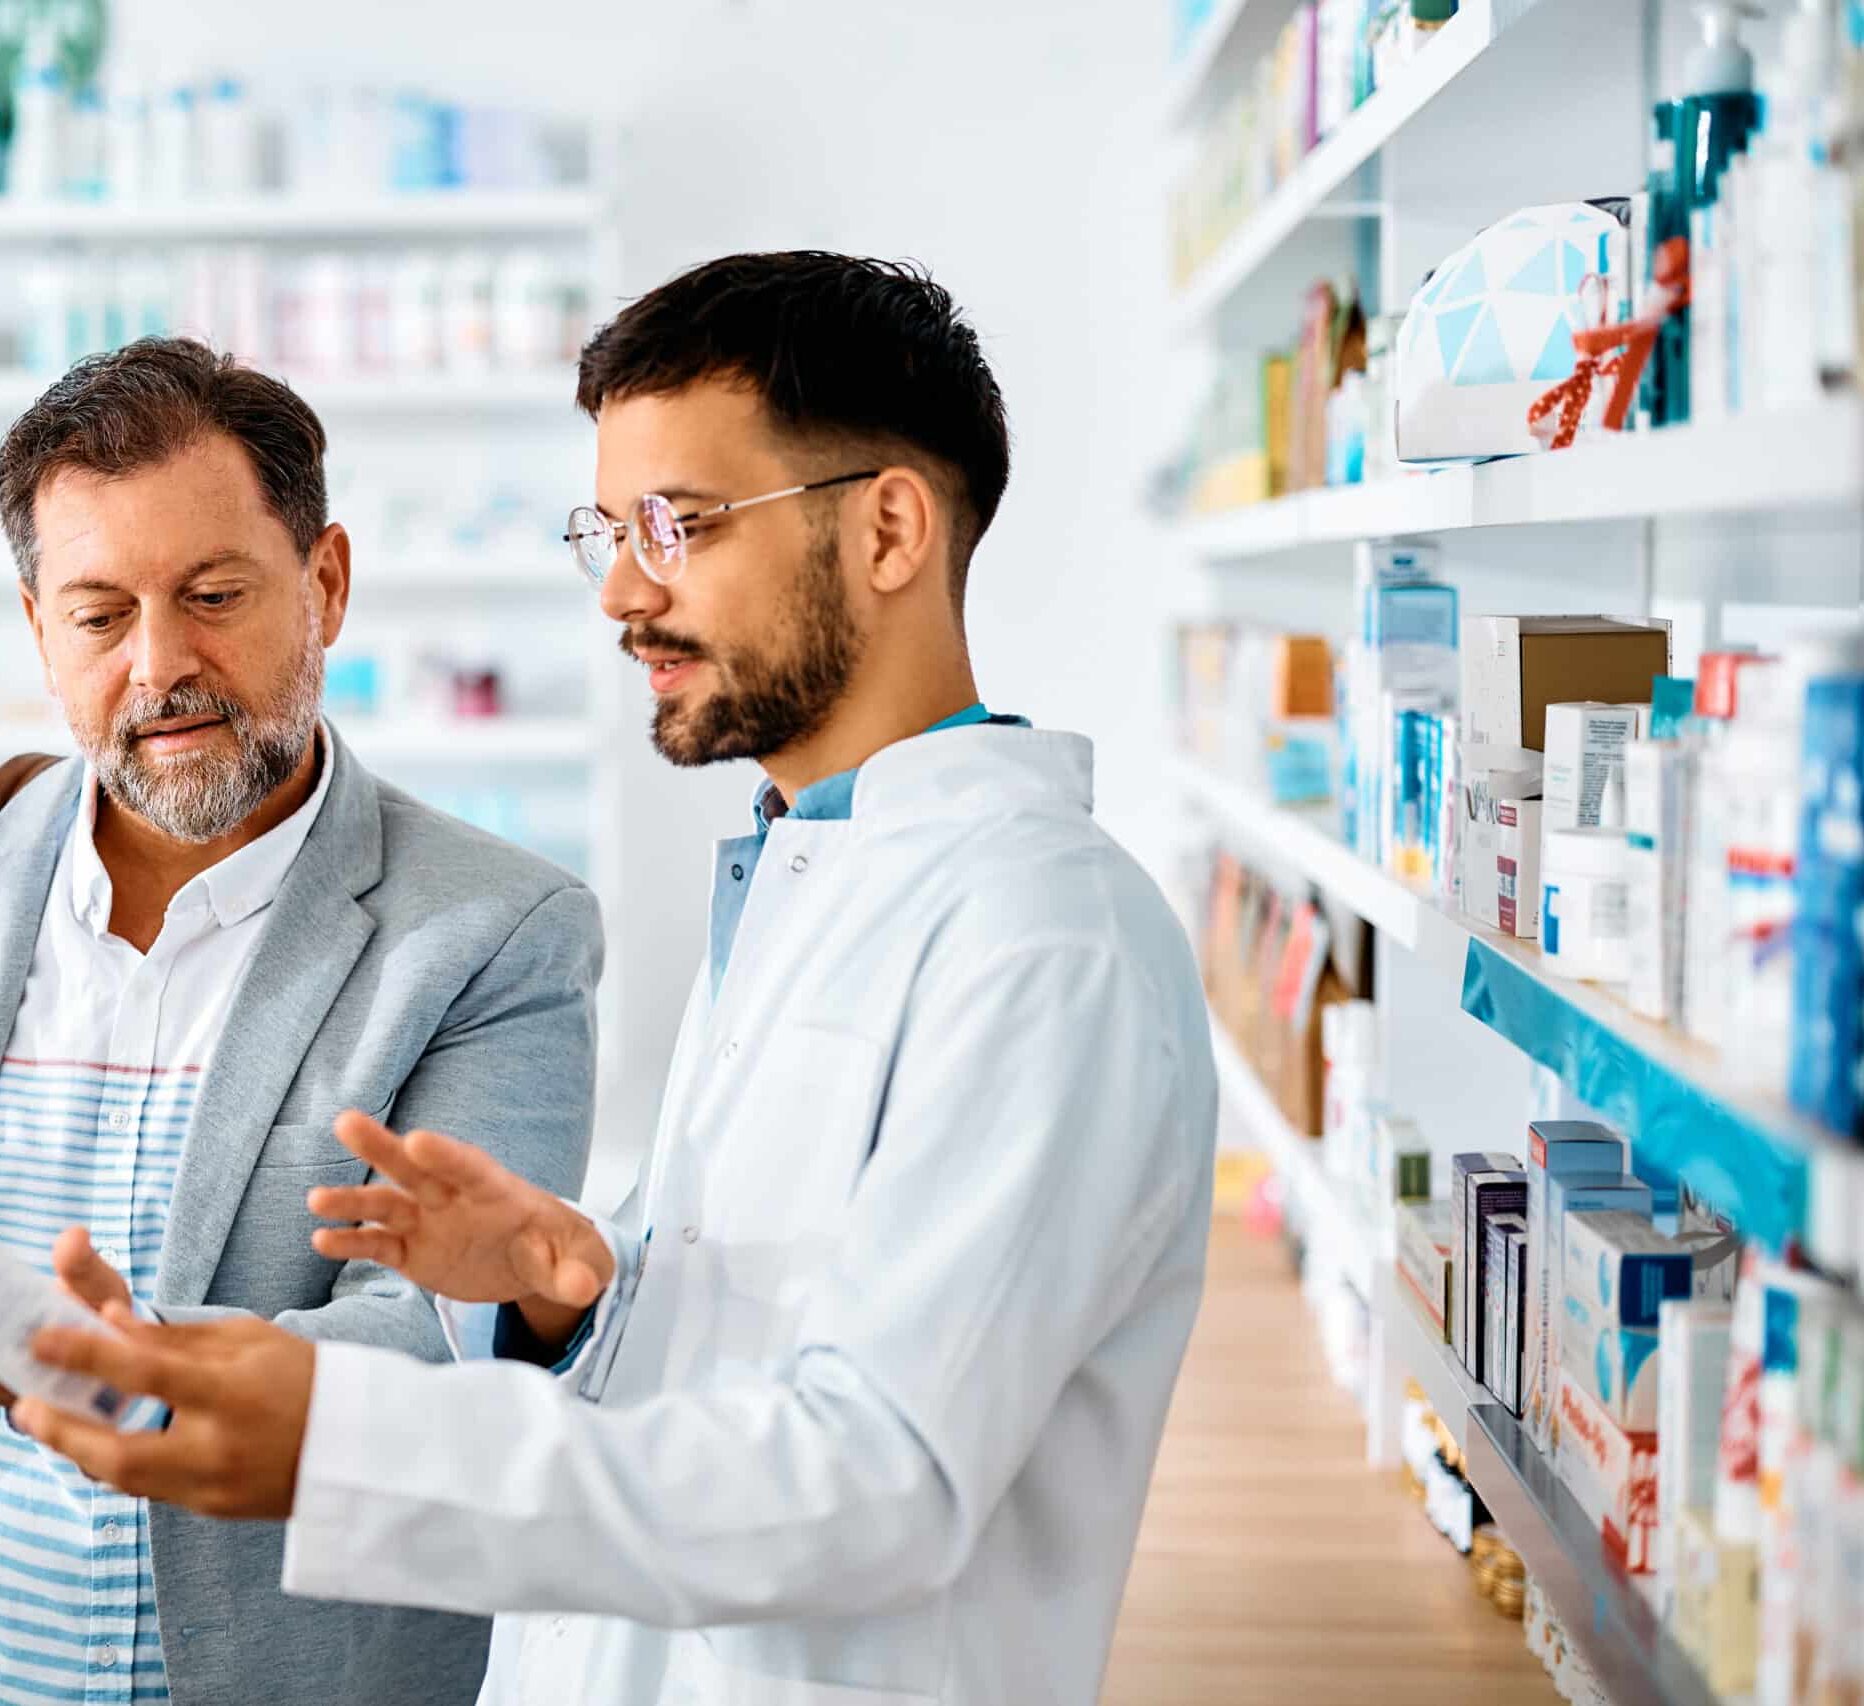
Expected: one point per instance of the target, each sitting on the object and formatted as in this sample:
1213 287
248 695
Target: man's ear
330 569
35 618
906 527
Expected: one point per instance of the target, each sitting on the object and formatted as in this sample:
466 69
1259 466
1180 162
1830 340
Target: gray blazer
415 968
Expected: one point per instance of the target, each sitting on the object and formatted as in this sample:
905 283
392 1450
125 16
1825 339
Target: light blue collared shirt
831 798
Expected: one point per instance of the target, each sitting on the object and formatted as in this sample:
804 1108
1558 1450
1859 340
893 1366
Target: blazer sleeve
512 1069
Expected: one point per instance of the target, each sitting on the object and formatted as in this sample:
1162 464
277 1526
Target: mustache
190 699
655 640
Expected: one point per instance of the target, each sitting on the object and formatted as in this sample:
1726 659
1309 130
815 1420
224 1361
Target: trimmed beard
765 705
197 797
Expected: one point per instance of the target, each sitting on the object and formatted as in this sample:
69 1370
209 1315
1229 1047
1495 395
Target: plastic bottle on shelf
46 293
328 282
466 311
175 145
126 142
229 128
414 312
525 311
35 161
85 159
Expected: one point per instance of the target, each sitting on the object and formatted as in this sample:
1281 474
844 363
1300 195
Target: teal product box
1555 1149
1569 1194
1464 1297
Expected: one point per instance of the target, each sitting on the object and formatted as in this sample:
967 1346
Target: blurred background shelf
1418 1345
1325 1209
469 740
1306 193
1802 459
435 213
551 389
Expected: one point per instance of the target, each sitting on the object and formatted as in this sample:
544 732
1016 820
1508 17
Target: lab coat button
730 1050
690 1234
559 1626
799 864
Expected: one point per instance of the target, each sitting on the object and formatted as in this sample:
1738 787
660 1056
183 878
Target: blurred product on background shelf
76 139
1329 58
323 313
1273 965
1258 705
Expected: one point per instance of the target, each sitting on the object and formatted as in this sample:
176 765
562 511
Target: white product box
1694 1365
1612 1474
1505 1247
1585 751
1573 1194
1501 823
1659 794
1555 1148
1619 1271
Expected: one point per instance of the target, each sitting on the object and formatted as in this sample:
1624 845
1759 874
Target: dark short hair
868 353
136 407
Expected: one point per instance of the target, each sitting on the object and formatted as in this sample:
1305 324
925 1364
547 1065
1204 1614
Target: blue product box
1827 1070
1830 880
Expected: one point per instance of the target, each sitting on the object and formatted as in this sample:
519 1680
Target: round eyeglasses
657 533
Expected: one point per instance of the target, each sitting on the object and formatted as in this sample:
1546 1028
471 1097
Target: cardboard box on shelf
1423 1230
1514 667
1613 1475
1462 1231
1501 820
1619 1270
1498 1191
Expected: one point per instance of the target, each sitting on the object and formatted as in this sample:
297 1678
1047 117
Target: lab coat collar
986 767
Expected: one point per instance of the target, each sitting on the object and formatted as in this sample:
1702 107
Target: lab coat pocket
792 1140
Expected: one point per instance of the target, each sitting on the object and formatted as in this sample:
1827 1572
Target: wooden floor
1274 1567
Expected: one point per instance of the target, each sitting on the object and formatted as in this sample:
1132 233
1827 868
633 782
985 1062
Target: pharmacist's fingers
380 1205
360 1244
371 1141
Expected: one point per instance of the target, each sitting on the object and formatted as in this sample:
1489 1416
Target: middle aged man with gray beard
216 932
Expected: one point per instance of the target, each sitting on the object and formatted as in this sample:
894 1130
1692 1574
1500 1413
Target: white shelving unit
1718 469
498 213
1695 522
405 434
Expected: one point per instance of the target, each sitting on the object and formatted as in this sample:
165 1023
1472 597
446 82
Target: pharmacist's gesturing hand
454 1221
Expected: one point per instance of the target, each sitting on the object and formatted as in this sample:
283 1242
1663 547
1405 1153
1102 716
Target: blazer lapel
32 831
312 939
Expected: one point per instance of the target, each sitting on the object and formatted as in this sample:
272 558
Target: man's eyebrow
216 560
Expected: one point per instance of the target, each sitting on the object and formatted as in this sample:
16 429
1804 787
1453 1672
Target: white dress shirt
97 1086
929 1202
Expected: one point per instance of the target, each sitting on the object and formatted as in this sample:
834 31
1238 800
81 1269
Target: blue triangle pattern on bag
1539 277
1556 356
1485 357
1453 329
1471 279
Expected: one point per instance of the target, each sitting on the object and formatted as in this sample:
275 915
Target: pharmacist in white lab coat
856 1401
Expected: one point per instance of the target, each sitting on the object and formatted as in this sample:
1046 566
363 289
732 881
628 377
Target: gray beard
199 797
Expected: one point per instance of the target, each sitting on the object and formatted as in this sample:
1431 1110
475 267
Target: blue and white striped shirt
98 1081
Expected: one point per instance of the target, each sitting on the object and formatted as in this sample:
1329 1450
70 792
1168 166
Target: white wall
1008 145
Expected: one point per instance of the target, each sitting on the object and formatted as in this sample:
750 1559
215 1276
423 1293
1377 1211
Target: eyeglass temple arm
787 492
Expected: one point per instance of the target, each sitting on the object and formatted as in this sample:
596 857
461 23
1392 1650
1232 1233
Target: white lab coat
929 1203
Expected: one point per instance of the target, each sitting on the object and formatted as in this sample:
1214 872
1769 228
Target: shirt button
111 1254
119 1120
799 864
690 1234
737 872
112 1531
107 1657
